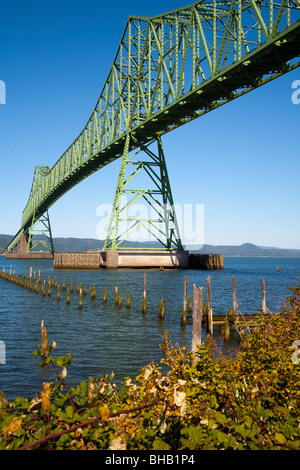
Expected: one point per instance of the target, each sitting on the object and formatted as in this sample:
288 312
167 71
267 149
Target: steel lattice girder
40 234
160 218
168 70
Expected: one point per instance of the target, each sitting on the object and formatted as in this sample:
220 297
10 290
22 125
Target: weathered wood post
68 297
190 303
234 295
226 329
197 319
183 311
128 301
209 308
63 285
161 309
145 293
93 291
58 292
264 308
80 298
104 296
116 295
71 286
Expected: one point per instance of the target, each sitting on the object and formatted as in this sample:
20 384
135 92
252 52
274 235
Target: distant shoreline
246 250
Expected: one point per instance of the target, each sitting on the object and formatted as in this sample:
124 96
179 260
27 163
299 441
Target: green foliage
249 402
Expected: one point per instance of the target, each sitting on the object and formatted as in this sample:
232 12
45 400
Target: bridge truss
169 69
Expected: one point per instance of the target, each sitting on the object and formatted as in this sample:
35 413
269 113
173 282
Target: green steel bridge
168 70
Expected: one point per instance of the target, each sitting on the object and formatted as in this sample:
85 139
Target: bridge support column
148 212
40 234
22 244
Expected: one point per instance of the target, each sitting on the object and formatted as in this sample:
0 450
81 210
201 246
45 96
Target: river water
105 338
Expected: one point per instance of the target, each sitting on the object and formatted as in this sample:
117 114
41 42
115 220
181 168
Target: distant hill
4 241
246 249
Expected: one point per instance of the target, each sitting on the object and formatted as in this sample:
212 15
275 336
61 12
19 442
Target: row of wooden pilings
201 311
32 282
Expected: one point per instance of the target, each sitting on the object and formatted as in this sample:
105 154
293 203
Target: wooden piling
190 304
209 308
63 285
226 329
197 320
71 287
116 296
84 290
185 293
58 292
104 296
233 295
80 298
128 301
205 309
145 293
183 310
161 309
183 316
264 308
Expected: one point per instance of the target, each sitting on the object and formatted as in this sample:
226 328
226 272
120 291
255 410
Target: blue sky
241 161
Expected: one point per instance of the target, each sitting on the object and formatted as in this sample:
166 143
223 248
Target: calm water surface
102 337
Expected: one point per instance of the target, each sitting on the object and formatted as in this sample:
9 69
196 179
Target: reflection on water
103 337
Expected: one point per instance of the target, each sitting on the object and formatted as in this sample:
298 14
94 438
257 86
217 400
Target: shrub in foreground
210 401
